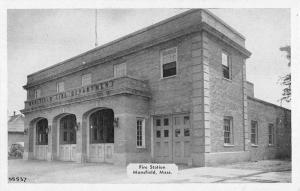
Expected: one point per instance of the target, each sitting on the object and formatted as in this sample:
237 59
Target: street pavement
69 172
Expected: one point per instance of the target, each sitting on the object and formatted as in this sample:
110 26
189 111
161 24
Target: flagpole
96 20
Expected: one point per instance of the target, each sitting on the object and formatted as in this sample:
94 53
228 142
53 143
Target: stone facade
197 96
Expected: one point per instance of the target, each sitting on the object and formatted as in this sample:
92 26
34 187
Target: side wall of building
265 113
226 96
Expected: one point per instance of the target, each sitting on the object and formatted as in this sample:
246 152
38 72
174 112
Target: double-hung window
37 93
60 87
254 133
169 62
271 134
120 70
228 131
86 79
226 66
140 133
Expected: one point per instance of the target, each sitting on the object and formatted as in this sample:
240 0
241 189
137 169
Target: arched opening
68 130
100 135
40 137
102 127
42 132
67 137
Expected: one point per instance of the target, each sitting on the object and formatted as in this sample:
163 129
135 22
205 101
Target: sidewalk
68 172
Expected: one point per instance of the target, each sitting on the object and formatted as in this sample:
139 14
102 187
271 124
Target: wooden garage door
172 138
181 139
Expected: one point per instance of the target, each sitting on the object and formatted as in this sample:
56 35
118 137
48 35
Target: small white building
15 127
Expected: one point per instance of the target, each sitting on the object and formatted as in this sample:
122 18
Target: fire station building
174 92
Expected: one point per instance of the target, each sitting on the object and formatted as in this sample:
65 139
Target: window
177 132
271 134
37 93
177 120
186 120
186 132
157 122
101 126
120 70
158 134
166 122
254 134
228 131
60 87
169 62
86 79
166 133
140 133
226 65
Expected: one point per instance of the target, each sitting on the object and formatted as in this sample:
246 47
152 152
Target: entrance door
67 146
101 131
181 139
163 139
41 144
172 142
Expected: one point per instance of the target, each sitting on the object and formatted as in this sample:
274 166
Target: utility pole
96 20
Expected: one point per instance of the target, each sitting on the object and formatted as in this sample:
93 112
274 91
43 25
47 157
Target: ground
34 171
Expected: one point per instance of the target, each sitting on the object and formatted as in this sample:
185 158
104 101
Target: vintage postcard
152 95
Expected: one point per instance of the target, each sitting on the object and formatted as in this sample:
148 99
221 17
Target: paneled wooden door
181 139
41 152
172 138
67 138
102 152
163 139
41 140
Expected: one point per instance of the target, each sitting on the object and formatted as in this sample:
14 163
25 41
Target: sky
37 39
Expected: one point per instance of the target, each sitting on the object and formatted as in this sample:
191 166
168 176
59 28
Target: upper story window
37 93
60 87
120 70
226 66
86 79
254 134
271 134
228 131
169 62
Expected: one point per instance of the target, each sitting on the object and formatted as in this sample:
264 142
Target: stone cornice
95 96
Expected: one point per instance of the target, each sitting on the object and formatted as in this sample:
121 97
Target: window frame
115 71
272 134
140 134
229 65
231 134
255 134
37 93
58 86
162 64
90 82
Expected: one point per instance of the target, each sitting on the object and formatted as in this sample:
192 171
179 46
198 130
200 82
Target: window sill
228 80
254 145
228 145
164 78
143 147
271 145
